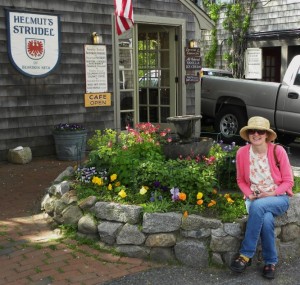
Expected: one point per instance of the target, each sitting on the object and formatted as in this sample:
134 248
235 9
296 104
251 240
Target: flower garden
130 168
139 203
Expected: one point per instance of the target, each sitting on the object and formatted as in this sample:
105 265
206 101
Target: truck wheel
228 122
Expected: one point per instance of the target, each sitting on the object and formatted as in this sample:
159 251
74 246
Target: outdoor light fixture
96 39
193 43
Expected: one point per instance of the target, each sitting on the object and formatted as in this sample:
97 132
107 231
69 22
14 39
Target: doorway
271 64
157 73
147 75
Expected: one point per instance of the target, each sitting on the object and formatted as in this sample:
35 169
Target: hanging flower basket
70 141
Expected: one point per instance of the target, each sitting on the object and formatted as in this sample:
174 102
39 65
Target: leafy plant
236 22
214 13
69 127
131 168
296 188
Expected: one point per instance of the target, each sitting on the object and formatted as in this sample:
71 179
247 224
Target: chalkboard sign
95 68
192 58
192 52
190 78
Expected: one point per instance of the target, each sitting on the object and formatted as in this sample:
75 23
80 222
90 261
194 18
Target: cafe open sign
97 99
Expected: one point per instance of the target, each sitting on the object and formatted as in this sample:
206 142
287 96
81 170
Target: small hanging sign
97 99
191 78
192 58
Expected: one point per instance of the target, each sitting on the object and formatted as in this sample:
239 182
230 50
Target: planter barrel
70 145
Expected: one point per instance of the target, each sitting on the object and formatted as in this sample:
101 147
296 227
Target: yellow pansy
143 190
109 187
97 180
229 200
113 177
122 193
199 195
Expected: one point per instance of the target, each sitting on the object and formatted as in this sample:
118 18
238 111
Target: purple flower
156 184
152 198
175 193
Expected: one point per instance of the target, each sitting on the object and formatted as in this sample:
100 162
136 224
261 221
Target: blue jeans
260 224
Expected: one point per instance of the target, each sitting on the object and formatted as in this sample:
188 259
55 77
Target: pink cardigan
282 177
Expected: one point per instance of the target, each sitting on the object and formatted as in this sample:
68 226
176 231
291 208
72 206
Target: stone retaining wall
165 237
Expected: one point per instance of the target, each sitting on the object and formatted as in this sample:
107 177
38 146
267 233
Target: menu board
253 60
192 58
95 68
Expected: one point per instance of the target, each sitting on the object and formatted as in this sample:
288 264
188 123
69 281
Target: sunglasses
253 131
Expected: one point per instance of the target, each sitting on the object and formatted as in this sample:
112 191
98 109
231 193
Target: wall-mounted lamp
193 43
96 39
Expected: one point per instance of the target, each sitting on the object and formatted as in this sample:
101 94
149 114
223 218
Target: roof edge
204 21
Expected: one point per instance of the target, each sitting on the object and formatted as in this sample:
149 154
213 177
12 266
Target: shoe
240 264
269 271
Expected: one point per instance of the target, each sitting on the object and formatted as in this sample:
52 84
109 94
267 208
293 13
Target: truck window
297 79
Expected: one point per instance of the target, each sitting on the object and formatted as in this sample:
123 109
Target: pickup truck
229 102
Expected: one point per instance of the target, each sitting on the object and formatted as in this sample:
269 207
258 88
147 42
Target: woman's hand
255 196
266 194
252 197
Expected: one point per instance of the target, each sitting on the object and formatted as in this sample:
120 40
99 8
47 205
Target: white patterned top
260 175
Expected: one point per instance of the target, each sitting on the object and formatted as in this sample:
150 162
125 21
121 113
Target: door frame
173 69
180 24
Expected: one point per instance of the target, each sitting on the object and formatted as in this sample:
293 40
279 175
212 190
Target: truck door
288 107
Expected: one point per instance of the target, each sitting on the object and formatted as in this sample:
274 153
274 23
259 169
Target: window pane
127 79
164 113
126 100
126 120
153 114
165 96
125 60
164 40
165 76
143 114
164 59
152 41
153 96
143 96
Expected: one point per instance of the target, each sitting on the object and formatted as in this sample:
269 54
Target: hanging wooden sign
97 99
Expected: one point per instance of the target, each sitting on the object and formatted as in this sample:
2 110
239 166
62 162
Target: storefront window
126 79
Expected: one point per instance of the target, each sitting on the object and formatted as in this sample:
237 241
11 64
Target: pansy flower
175 193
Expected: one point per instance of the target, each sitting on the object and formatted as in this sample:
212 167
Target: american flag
124 15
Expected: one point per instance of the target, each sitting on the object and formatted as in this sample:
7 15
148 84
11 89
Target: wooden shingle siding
277 15
30 107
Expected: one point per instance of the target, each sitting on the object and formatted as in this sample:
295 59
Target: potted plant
70 141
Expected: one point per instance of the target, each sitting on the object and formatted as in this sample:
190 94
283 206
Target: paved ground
29 250
30 253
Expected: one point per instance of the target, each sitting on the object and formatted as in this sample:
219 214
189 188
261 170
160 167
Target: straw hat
258 123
